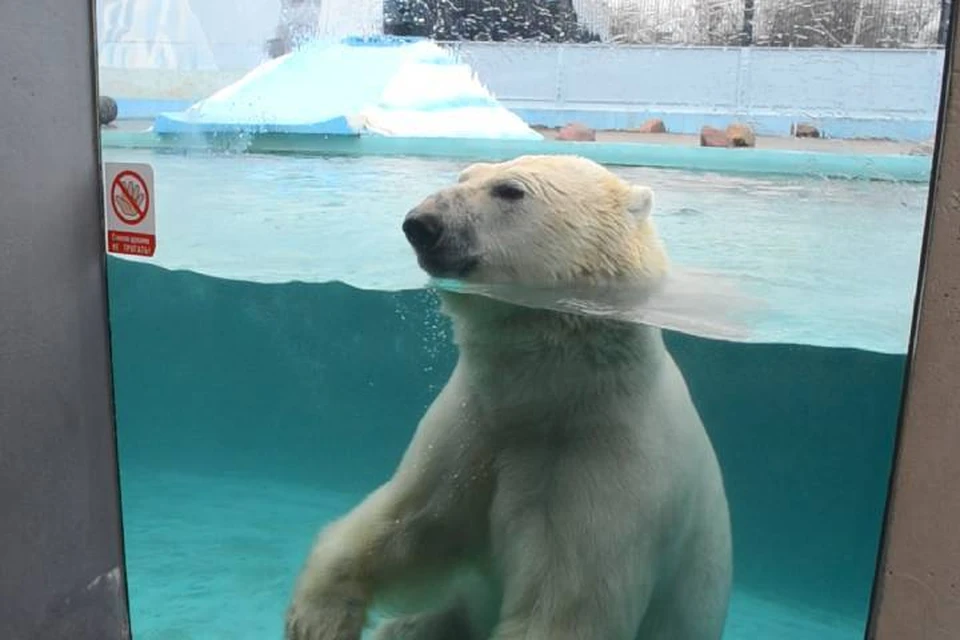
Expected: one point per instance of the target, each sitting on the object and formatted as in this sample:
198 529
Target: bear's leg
388 541
447 623
375 545
575 550
417 527
694 606
470 614
332 593
573 596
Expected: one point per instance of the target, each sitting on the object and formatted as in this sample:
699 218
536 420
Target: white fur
560 487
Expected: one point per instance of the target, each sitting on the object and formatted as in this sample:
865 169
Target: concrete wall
846 92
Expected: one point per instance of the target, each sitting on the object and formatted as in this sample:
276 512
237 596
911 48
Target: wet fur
561 486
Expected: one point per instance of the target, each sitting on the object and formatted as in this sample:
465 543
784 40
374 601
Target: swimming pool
271 369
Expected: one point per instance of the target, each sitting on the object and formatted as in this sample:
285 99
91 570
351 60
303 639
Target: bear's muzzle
443 250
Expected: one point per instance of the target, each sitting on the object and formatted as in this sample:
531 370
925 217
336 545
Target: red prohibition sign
129 197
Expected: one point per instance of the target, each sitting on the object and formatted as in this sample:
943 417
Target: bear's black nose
422 230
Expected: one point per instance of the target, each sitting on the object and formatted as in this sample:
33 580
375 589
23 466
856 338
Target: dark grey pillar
61 563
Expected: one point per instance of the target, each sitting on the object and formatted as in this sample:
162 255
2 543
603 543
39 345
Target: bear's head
537 220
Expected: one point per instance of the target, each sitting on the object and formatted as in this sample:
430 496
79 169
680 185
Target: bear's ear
641 202
474 170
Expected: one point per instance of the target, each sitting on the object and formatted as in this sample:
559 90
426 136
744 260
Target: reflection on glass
488 320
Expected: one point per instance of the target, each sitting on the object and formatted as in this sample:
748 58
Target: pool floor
213 557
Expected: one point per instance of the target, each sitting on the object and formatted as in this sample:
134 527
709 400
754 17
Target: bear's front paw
325 619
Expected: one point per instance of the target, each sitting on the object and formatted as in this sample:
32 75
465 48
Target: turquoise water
834 261
271 371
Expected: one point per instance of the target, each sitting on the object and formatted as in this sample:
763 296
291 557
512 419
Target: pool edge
752 161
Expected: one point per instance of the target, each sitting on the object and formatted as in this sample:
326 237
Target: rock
107 109
653 125
710 137
277 47
741 135
576 132
924 148
805 130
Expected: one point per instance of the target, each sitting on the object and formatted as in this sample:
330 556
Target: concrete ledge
862 166
906 127
137 109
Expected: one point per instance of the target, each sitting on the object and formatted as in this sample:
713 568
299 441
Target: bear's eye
507 191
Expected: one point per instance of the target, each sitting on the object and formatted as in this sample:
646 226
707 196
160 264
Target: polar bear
561 486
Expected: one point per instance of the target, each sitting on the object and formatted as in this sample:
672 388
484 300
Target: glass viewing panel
551 319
